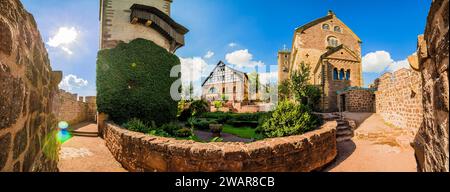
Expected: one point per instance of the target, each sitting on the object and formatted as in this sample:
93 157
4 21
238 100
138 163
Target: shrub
136 125
133 80
171 128
198 107
203 124
218 104
194 109
288 119
183 132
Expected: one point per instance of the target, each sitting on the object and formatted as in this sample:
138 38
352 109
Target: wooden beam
134 20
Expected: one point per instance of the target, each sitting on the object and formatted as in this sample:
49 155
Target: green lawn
242 132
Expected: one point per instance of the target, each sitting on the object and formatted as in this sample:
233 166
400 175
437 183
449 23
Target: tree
254 83
300 88
283 90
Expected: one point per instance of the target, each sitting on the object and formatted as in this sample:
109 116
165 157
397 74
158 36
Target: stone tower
126 20
283 65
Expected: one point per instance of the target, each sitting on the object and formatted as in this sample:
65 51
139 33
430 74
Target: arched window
332 41
335 74
326 27
212 90
347 75
337 29
341 74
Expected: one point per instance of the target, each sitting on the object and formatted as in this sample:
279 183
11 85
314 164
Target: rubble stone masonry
301 153
73 109
27 86
399 99
431 142
358 100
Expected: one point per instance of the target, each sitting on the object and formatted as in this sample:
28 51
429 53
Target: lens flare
63 136
63 125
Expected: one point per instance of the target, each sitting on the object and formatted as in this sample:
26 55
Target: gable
329 19
342 53
230 74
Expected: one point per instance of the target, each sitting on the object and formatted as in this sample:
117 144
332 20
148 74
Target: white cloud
242 58
395 66
192 69
232 44
376 61
71 82
379 61
63 38
208 55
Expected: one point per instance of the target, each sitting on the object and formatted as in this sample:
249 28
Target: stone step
84 134
340 122
341 139
344 133
343 127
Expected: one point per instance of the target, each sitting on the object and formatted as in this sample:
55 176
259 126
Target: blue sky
239 32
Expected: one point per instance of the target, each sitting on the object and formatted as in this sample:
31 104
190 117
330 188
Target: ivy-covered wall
133 81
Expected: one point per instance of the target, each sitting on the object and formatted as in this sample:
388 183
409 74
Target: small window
212 90
335 74
337 29
223 90
332 42
326 27
234 89
347 75
341 74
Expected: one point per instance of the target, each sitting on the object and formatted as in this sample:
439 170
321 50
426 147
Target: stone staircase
344 131
345 127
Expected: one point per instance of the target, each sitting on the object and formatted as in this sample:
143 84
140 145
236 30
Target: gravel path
87 154
376 147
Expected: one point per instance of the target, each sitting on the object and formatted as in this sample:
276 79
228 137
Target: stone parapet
73 109
300 153
399 99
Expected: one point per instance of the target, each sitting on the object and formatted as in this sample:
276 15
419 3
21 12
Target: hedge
133 81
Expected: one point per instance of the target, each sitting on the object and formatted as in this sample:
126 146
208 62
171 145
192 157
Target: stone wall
27 86
431 142
358 100
73 109
399 99
302 153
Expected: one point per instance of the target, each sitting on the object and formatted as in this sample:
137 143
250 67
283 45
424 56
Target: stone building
227 82
126 20
333 53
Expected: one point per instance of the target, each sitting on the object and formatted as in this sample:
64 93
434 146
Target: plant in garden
289 118
217 139
217 104
300 88
136 125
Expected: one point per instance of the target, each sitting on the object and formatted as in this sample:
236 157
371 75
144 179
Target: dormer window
332 41
326 27
337 29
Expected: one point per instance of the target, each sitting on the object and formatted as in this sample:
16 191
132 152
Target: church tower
126 20
284 57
